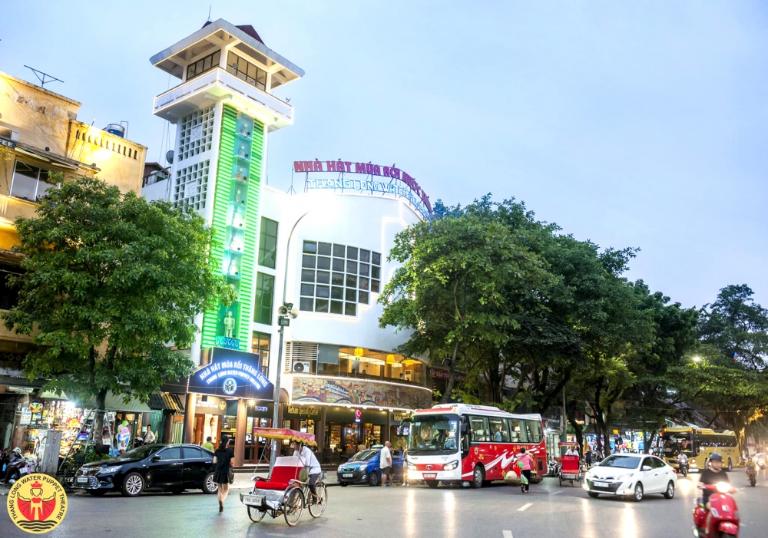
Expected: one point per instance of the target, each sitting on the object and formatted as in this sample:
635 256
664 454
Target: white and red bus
455 443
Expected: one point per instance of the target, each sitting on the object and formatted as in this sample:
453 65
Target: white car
631 475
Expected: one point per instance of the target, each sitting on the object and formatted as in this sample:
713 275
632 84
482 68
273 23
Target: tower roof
216 34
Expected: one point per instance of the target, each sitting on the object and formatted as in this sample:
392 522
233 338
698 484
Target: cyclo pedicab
570 468
286 491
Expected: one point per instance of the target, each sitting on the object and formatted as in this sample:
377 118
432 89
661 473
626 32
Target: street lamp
286 312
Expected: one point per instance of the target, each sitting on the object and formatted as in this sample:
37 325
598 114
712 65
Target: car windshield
623 462
363 455
140 453
434 434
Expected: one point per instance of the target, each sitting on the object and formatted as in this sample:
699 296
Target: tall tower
223 110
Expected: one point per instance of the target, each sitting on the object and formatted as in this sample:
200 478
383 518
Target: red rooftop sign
349 167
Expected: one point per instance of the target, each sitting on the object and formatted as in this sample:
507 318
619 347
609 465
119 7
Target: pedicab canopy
283 434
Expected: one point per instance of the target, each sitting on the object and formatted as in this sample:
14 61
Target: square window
338 279
376 258
363 297
337 307
338 264
323 277
308 261
337 293
365 255
375 286
323 262
307 275
351 267
350 309
324 249
364 269
338 250
351 281
363 283
310 247
308 289
351 295
352 253
375 271
306 304
323 291
321 305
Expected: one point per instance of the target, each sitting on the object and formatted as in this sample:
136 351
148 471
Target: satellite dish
169 156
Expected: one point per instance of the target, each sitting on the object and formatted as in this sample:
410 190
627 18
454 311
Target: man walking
385 463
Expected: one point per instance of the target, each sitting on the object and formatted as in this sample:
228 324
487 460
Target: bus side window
534 430
479 426
499 431
516 430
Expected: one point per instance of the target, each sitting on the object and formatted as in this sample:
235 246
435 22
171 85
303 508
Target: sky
631 124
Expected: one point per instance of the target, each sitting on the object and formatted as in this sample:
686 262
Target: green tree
110 281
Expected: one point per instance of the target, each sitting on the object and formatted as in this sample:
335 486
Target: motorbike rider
15 463
682 460
713 474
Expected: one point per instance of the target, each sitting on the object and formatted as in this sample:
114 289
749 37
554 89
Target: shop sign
211 405
399 416
26 416
304 410
358 415
232 374
357 392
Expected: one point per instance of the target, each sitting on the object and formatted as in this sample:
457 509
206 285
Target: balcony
217 85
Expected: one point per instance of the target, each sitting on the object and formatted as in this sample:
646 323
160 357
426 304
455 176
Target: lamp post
286 311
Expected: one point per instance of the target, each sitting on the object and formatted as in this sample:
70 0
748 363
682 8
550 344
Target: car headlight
109 470
451 466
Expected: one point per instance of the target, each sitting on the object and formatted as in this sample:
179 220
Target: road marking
506 533
558 492
525 507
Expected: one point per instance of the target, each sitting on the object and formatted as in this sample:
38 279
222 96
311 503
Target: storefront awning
166 401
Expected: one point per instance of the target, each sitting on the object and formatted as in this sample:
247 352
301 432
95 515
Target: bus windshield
434 434
676 442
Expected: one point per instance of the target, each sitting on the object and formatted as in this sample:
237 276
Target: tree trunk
451 375
98 419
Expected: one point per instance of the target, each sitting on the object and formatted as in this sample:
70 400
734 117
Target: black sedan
164 467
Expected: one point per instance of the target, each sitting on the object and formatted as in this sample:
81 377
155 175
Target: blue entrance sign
232 374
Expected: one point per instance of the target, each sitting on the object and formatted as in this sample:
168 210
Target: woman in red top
525 462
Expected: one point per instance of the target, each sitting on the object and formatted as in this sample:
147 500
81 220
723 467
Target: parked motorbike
752 473
553 469
722 517
23 467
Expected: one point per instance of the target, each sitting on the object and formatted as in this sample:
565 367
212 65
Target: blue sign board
232 374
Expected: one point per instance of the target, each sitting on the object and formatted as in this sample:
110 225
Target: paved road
499 511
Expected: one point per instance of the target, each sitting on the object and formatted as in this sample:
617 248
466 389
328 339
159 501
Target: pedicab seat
285 470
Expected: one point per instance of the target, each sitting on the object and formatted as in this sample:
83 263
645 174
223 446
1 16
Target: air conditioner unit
301 367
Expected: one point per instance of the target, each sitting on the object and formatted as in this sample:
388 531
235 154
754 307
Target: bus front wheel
478 477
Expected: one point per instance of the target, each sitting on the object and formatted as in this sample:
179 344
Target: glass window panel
308 289
322 291
364 269
173 453
350 309
337 293
338 250
265 291
363 297
307 275
351 294
310 247
321 305
337 307
323 262
306 304
375 258
365 255
375 271
338 264
324 249
363 283
351 267
268 243
352 253
351 281
338 279
498 427
308 260
323 277
375 286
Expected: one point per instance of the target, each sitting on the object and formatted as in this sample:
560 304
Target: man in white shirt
572 451
309 460
149 437
385 463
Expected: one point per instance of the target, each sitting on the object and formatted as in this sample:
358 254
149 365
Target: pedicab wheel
255 514
319 502
293 506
